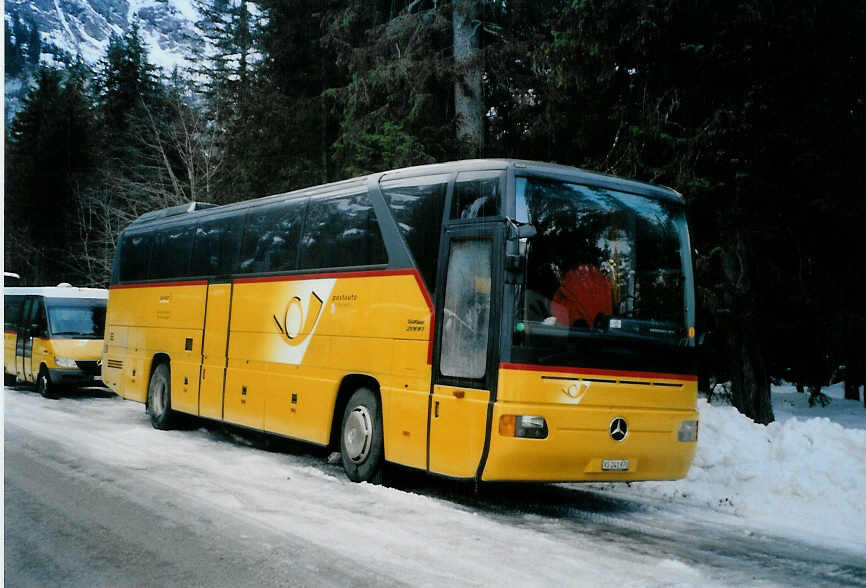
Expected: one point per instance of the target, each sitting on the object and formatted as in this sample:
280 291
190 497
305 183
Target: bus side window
477 194
271 237
171 252
136 253
205 259
417 205
341 232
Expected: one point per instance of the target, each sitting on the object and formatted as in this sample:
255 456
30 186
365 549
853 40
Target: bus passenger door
465 356
214 346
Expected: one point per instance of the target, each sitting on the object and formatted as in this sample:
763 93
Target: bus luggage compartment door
214 345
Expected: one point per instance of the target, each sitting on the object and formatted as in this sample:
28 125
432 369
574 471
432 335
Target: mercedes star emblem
618 429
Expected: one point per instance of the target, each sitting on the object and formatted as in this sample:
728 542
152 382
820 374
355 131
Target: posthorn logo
618 429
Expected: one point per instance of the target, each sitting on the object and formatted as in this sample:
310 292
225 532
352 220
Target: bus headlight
688 431
65 362
527 427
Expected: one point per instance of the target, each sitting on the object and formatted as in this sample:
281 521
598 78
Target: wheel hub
358 434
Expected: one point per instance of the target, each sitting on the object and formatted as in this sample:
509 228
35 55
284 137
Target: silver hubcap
358 434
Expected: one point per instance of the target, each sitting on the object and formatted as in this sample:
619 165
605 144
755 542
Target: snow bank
800 476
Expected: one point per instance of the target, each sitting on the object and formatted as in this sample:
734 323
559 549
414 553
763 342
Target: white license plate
614 465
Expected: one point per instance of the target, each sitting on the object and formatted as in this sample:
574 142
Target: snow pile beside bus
800 476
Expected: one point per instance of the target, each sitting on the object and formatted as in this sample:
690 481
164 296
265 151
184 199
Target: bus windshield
602 262
76 318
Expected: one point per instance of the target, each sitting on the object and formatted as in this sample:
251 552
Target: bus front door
464 360
214 347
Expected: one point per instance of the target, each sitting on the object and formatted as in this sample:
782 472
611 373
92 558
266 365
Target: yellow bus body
259 327
289 386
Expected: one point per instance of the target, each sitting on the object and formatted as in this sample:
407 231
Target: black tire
361 440
159 398
44 385
9 379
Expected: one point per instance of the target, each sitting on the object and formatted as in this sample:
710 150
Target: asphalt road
95 497
70 521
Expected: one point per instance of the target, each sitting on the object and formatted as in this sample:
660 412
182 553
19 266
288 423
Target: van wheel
361 439
44 385
159 398
9 379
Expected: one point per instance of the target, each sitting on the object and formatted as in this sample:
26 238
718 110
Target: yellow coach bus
53 336
483 319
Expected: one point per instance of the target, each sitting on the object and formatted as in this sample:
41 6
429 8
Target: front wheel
361 440
44 385
159 398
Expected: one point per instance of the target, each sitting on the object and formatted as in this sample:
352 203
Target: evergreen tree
47 156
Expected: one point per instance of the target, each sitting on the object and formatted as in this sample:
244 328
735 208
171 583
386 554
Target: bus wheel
361 444
159 398
44 385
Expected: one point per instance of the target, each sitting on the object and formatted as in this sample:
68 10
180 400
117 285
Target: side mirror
518 230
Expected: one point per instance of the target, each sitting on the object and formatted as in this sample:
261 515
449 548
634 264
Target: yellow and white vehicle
430 317
53 336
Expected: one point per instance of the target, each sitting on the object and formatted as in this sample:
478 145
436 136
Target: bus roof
56 292
521 167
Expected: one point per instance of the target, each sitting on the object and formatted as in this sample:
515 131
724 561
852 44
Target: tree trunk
750 379
468 105
750 382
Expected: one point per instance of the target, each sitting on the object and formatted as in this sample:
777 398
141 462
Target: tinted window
341 232
134 254
12 312
171 252
271 237
477 194
416 204
215 247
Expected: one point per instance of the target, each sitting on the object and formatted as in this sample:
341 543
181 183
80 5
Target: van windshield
76 319
602 262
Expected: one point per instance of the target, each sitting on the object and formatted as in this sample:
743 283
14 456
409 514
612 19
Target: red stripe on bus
295 277
597 372
158 284
423 287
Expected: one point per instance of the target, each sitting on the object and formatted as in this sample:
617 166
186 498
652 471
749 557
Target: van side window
135 255
477 194
40 320
171 252
12 312
271 237
341 232
417 205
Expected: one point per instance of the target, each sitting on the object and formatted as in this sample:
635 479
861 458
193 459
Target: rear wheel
159 398
44 385
361 440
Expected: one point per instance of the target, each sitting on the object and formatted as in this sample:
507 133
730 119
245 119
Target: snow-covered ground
761 505
803 476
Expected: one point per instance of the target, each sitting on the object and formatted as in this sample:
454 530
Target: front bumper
70 377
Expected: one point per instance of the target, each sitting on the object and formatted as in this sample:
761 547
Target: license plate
614 465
